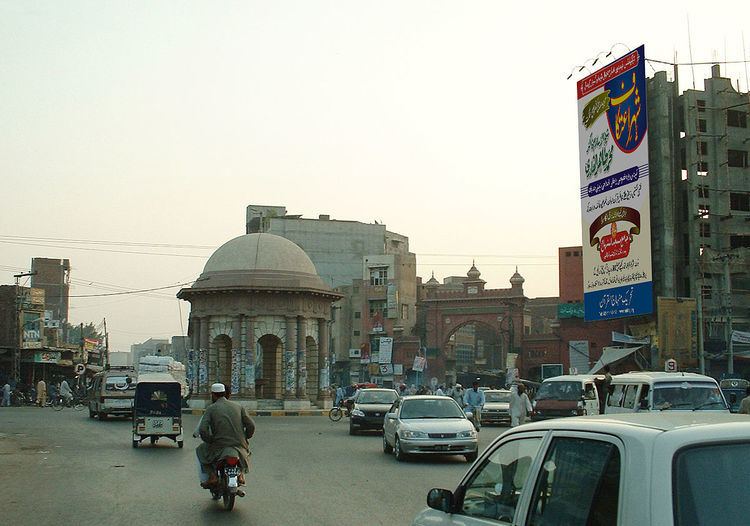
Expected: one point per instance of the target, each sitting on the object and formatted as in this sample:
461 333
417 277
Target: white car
428 425
629 469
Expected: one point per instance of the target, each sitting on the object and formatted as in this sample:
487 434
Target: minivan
568 395
661 391
111 394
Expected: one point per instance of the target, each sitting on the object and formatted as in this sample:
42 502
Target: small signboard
670 365
79 369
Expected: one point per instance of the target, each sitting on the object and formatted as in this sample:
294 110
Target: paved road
62 468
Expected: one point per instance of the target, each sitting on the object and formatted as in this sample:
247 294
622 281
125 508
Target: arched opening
220 361
473 347
312 368
268 368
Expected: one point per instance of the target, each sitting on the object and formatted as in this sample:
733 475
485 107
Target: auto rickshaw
156 409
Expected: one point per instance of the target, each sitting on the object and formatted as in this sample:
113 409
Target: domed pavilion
259 323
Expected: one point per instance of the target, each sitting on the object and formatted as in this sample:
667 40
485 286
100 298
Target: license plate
158 425
119 403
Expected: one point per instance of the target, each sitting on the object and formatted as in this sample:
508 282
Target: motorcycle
228 470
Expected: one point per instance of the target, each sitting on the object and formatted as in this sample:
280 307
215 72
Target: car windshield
430 408
707 488
490 396
376 397
559 391
688 396
118 383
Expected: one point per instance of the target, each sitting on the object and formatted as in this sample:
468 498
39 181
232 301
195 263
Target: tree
74 332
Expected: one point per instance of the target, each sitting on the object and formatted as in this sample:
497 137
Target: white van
567 395
657 391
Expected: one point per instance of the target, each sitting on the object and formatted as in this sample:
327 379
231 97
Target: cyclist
66 392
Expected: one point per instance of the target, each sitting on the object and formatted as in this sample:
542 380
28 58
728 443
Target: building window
739 241
378 307
702 168
737 158
702 125
739 202
701 105
378 276
705 230
576 253
404 312
703 248
703 191
706 292
357 315
703 210
702 147
355 333
355 290
736 119
567 254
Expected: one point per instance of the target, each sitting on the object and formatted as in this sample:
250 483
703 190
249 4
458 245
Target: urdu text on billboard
615 209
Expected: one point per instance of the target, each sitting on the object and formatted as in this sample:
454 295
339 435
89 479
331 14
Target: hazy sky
146 123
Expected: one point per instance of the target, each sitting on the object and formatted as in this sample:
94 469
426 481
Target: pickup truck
642 469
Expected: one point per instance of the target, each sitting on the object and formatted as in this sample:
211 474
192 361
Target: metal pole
728 312
701 358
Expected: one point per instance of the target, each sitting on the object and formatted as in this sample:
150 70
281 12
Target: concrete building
53 276
373 270
152 346
700 200
259 323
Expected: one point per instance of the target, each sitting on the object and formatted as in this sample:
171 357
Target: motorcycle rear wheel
228 499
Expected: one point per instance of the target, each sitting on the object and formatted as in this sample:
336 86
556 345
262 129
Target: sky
134 134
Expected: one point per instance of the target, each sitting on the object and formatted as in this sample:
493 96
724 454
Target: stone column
235 357
301 357
195 343
290 359
203 380
248 358
323 380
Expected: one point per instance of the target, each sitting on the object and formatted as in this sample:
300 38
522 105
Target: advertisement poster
614 184
386 350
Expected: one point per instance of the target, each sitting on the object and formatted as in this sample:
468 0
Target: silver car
428 425
496 408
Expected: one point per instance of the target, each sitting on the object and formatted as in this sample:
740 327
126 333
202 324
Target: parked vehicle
157 411
646 469
111 394
660 391
568 395
370 407
428 425
496 407
734 390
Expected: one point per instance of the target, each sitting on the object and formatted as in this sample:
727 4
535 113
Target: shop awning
612 355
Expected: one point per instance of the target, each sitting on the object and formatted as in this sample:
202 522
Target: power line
131 291
104 250
106 242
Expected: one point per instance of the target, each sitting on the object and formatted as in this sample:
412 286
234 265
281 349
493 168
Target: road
63 468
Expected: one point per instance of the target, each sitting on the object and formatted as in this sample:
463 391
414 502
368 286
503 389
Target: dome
516 278
262 262
260 252
473 273
432 282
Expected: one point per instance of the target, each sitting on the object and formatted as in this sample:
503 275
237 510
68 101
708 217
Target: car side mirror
390 416
440 499
643 404
469 415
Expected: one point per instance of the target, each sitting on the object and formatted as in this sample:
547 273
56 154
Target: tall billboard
615 208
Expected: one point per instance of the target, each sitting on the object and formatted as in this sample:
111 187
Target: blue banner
619 302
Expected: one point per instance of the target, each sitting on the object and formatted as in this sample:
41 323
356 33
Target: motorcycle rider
225 429
474 401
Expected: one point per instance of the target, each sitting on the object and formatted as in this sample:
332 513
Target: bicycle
59 403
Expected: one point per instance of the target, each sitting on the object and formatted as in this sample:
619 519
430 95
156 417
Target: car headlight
357 412
413 434
467 434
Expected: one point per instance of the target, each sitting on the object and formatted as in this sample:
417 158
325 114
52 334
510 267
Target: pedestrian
439 391
339 395
520 405
745 403
458 394
41 393
474 402
6 394
402 390
413 389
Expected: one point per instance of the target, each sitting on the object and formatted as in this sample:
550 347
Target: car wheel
386 446
471 457
400 455
102 415
135 443
91 413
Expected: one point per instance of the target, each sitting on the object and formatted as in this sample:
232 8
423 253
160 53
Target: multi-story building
53 276
371 266
700 200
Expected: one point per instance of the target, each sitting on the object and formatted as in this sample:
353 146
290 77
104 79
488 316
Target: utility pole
105 357
16 373
727 308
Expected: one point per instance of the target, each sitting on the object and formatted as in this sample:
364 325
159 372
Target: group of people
39 394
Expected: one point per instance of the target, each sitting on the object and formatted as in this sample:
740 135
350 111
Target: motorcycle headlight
413 434
467 434
357 412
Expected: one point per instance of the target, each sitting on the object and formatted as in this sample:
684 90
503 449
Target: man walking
6 394
520 405
41 393
474 401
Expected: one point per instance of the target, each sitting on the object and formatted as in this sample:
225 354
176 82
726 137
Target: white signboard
398 369
355 353
670 366
386 369
386 350
614 190
419 363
